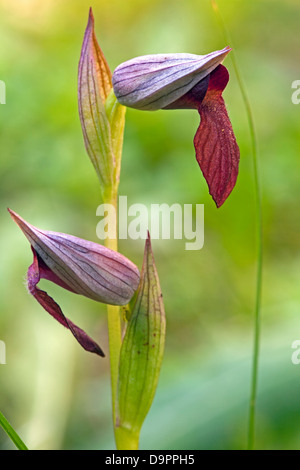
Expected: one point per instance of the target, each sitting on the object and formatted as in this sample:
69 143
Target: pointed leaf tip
142 348
91 15
102 118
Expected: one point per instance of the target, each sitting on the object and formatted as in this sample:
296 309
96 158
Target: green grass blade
12 433
259 235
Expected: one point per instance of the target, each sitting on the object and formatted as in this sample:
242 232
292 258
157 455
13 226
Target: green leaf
116 115
142 350
102 126
12 433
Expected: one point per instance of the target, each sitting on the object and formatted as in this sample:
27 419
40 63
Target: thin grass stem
13 435
259 237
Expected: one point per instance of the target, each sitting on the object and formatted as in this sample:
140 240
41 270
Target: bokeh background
56 395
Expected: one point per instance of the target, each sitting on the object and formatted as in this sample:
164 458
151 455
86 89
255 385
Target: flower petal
85 267
216 148
153 82
33 277
193 98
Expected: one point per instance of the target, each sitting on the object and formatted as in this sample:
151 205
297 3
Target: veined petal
216 148
87 268
178 81
34 274
153 82
193 98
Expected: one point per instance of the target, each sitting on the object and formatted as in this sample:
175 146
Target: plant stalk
259 239
113 311
125 439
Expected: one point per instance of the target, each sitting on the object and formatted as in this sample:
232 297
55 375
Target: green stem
125 439
12 433
259 236
114 334
113 313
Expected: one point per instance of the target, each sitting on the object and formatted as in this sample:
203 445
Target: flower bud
80 266
178 81
153 82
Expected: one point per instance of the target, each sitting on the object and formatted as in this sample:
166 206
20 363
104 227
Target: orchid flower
188 81
80 266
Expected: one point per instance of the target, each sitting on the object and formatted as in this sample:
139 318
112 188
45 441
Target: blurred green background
56 395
